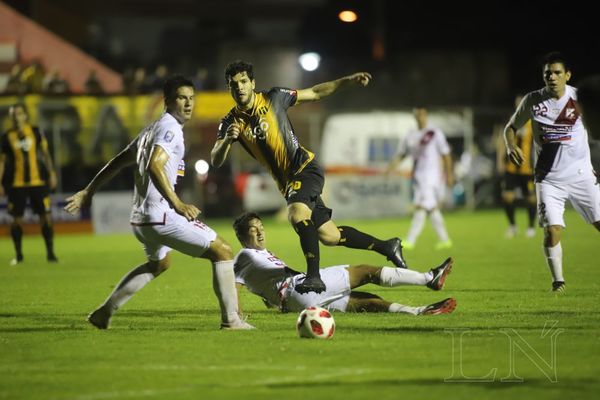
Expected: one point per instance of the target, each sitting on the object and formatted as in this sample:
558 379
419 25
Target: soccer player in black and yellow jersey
520 176
26 172
259 122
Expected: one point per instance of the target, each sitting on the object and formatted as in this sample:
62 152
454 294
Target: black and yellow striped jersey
524 139
268 136
23 165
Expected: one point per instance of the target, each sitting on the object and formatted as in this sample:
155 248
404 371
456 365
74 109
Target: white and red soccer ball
315 323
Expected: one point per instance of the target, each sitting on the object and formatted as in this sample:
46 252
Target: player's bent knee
219 250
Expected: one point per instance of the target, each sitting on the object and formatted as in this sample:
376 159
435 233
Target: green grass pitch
508 338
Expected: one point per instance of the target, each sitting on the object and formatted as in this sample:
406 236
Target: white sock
131 283
416 226
224 287
554 261
438 224
401 308
390 277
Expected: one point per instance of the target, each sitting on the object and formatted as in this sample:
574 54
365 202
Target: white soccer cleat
238 325
511 232
530 232
100 318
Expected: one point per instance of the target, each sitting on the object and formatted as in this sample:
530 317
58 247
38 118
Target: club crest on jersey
181 168
169 136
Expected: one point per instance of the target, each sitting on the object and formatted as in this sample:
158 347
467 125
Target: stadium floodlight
201 167
309 61
348 16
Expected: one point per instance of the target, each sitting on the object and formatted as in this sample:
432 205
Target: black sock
48 233
509 208
355 239
531 209
16 232
309 240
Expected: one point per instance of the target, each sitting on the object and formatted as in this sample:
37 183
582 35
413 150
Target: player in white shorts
563 169
430 152
270 278
160 220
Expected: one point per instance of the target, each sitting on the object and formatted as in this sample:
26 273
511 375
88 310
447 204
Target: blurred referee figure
518 176
563 170
27 172
259 122
159 219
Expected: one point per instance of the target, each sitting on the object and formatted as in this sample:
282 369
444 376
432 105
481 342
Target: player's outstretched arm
82 198
156 168
325 89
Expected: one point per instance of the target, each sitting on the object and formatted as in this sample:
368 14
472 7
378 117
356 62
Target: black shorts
512 181
306 187
39 200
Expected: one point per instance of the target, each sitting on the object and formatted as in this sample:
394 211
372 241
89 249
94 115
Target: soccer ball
315 323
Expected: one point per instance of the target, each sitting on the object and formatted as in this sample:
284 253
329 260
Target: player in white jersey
160 220
269 277
563 170
432 171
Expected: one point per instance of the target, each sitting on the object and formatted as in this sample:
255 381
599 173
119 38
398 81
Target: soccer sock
416 226
354 239
438 224
309 241
554 261
531 209
16 232
224 287
131 283
48 234
401 308
390 277
509 208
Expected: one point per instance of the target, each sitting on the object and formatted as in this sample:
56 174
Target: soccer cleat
51 258
238 325
311 284
439 275
446 244
559 287
445 306
100 318
530 232
393 252
511 232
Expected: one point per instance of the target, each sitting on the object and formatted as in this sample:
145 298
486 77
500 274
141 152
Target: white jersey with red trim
426 146
261 272
561 141
149 206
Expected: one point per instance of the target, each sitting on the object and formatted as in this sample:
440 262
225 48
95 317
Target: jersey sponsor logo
554 137
169 136
263 110
181 168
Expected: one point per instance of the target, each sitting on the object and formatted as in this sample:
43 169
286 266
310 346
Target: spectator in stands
55 84
92 84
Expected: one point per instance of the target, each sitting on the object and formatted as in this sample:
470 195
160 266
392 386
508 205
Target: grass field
165 343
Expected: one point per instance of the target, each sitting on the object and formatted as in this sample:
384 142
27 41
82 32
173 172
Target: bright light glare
309 61
201 167
347 16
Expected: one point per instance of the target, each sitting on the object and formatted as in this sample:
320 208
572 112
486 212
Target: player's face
256 239
18 116
556 78
241 88
421 117
182 105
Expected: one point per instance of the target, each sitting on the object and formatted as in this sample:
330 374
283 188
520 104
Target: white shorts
336 297
583 195
427 195
176 232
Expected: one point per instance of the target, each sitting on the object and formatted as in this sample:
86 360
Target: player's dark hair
555 57
242 224
172 85
237 66
20 105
